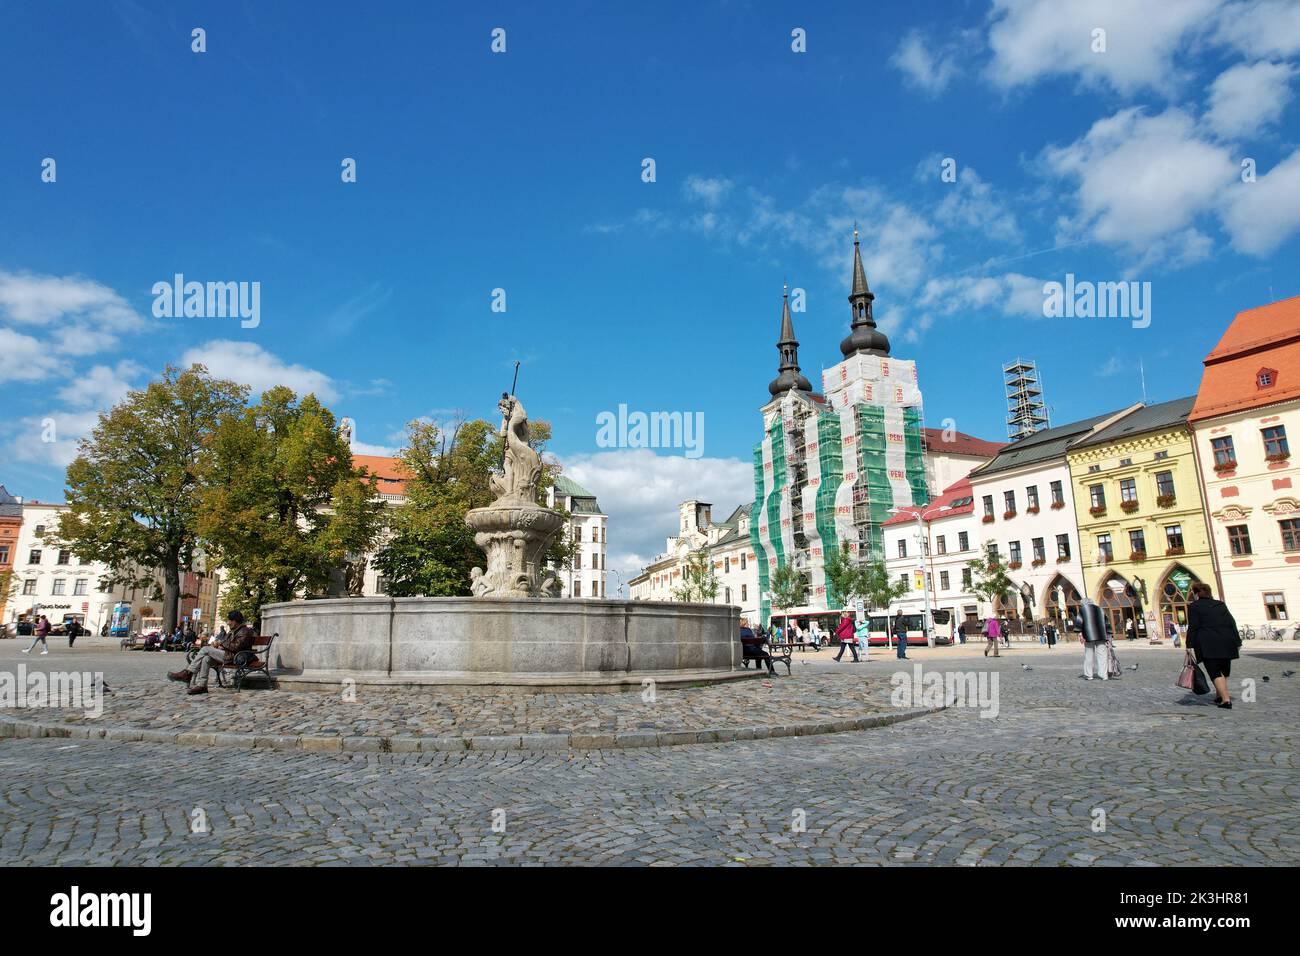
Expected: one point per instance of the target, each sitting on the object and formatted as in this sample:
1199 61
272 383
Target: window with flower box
1174 539
1225 456
1097 497
1137 543
1164 488
1031 499
1275 445
1058 495
1128 494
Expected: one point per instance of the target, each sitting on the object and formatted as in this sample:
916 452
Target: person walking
900 636
41 632
1049 635
992 632
844 631
961 631
1095 639
1212 640
72 629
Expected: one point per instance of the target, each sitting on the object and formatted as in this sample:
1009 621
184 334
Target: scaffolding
834 470
1026 412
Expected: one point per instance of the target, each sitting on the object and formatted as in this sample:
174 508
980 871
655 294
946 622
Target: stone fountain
515 531
513 632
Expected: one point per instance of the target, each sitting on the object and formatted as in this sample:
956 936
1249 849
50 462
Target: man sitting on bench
241 638
751 648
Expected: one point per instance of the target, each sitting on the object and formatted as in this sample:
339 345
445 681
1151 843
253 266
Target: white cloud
1248 97
29 444
31 299
1011 294
259 369
24 358
705 189
1033 39
1143 181
640 491
102 387
1261 28
1260 216
969 203
930 72
61 318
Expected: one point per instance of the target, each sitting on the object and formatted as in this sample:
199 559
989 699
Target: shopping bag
1200 683
1186 680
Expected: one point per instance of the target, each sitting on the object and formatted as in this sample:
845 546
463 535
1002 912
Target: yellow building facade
1142 529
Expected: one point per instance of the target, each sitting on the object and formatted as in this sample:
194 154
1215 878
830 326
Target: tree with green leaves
699 583
879 590
282 507
846 579
787 586
133 489
989 580
428 550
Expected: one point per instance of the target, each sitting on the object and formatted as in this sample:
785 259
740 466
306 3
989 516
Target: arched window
1119 605
1174 594
1061 597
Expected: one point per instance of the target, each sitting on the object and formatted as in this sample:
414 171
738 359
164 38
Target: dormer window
1266 378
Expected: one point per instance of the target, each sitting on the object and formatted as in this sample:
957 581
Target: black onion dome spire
864 337
788 376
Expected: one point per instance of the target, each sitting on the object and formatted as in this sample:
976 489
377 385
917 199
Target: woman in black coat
1212 639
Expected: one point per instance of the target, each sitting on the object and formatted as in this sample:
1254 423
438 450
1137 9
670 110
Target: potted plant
1129 506
1173 552
1097 510
1164 501
1008 515
1138 556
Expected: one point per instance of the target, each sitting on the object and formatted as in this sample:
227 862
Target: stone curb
12 727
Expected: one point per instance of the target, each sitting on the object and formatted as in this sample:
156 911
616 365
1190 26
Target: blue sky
523 171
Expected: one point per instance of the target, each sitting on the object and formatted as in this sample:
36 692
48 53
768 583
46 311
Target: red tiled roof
930 512
959 443
387 473
1267 337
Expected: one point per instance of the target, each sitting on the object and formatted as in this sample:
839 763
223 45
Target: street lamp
921 516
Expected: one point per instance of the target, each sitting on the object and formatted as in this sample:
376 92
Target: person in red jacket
844 631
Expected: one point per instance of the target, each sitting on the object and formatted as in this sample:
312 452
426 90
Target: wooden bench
254 661
780 654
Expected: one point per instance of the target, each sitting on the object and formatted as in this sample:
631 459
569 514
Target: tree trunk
171 593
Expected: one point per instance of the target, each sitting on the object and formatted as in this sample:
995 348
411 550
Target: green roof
1041 446
567 486
1149 418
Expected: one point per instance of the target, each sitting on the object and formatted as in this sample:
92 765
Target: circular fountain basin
543 644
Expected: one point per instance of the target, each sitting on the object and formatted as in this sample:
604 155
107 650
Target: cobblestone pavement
143 699
1180 782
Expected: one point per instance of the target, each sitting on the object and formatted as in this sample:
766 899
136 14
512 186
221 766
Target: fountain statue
515 531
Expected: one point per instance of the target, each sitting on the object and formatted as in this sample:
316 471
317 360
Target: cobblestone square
1179 782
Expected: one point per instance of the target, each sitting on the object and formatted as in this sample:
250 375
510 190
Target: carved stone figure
514 531
522 465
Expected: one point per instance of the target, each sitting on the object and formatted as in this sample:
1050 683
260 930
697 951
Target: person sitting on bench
196 673
751 648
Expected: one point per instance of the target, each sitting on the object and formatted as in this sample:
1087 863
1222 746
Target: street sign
85 606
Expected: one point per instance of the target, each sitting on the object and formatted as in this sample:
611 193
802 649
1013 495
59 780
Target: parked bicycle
1247 633
1272 633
